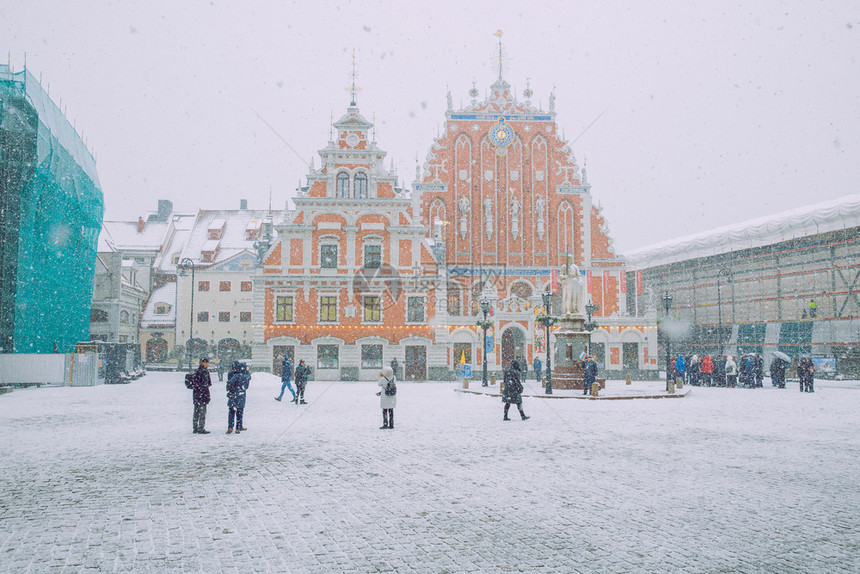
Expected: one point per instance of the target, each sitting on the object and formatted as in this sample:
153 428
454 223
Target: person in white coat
387 396
731 372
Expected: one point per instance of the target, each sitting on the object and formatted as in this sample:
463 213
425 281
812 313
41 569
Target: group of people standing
238 380
747 371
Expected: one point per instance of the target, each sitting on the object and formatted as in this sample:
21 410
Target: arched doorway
513 347
156 349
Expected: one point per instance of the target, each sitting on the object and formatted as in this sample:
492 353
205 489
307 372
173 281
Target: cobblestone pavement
111 479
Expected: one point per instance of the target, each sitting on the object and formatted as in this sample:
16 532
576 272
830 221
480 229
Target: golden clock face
501 135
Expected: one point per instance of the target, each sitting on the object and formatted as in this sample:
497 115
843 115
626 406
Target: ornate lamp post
667 302
484 325
591 309
547 321
728 274
184 266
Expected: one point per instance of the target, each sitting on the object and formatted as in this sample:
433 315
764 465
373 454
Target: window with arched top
521 289
123 317
342 189
360 186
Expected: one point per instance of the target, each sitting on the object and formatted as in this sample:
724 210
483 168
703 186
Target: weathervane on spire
499 34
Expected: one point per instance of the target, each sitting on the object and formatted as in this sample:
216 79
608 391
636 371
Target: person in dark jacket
777 373
200 387
806 375
748 371
513 390
237 385
590 367
286 375
538 367
302 373
759 369
720 371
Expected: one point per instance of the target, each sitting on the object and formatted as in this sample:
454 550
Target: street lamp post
484 325
667 302
590 309
185 265
547 321
728 275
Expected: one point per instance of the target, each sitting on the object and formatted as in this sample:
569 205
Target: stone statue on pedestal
571 289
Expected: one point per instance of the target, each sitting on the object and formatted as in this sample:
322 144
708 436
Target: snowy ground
110 479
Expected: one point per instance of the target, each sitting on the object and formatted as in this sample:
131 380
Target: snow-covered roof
124 235
234 239
833 215
164 294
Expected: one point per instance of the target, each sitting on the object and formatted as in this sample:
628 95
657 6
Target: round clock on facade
352 140
501 136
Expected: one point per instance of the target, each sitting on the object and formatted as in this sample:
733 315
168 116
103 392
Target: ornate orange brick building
507 203
349 284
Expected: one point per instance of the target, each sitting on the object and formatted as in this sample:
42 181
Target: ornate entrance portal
514 347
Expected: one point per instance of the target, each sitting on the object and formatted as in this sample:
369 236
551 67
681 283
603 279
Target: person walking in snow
286 375
200 386
387 396
513 391
238 380
302 373
731 372
681 366
538 367
777 372
758 362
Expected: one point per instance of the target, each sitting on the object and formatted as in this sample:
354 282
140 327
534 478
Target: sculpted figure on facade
571 289
515 218
540 224
464 216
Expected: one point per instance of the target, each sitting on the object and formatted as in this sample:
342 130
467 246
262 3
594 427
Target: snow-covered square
111 479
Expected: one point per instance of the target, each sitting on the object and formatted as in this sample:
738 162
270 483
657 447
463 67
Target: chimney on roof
243 204
140 224
165 208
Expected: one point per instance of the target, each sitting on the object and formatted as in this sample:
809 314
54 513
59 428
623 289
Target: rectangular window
415 310
371 356
224 286
244 316
372 308
327 357
203 285
328 256
372 256
203 316
224 316
284 308
247 286
328 308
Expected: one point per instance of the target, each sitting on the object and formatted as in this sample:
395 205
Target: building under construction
51 210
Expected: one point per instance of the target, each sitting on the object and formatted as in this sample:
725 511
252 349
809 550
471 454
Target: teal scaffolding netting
51 214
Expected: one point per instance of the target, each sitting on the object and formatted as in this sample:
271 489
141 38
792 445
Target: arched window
342 185
123 317
360 186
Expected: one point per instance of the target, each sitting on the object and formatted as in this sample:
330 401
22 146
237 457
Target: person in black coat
590 377
513 390
302 373
777 373
237 385
200 387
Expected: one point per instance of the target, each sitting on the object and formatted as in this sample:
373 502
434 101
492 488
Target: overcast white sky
715 112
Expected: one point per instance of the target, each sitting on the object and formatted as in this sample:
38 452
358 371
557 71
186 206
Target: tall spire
352 89
499 34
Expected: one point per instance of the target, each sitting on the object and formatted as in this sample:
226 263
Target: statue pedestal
572 340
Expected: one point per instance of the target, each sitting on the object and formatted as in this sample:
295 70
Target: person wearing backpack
237 386
387 396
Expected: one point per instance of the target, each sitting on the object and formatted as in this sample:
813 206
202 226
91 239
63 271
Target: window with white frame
328 256
342 189
328 308
372 256
327 357
372 308
284 308
360 186
371 356
415 310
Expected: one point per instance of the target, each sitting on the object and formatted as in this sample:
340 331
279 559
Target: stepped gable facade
349 283
507 203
